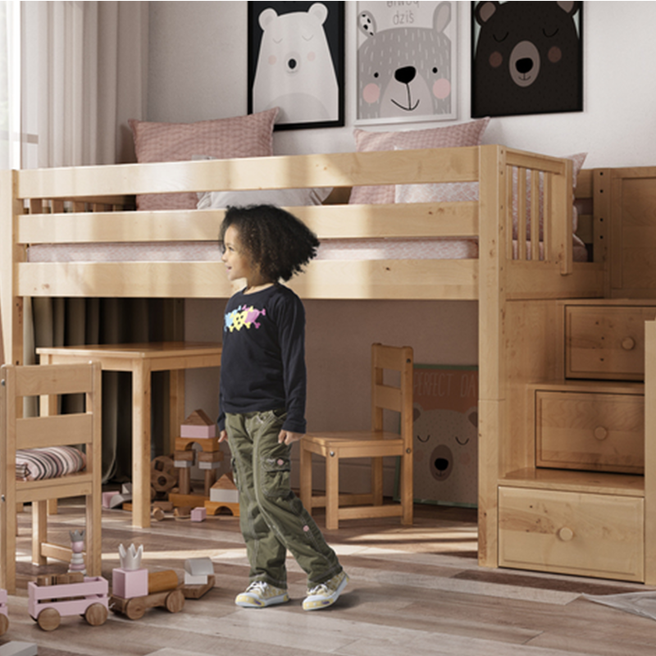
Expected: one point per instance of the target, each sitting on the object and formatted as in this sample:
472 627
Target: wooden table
141 360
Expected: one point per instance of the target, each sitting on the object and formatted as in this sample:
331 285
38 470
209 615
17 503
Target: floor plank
413 591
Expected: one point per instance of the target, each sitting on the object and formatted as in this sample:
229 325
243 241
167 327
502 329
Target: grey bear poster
296 62
405 61
527 58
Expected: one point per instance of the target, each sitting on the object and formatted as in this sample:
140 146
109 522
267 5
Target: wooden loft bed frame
33 204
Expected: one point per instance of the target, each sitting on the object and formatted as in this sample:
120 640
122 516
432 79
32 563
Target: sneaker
326 594
260 594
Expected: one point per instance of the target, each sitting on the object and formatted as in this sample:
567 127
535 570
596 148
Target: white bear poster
406 61
446 435
296 62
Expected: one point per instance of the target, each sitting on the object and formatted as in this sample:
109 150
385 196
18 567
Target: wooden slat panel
388 397
534 161
35 380
58 430
382 279
324 170
412 220
51 488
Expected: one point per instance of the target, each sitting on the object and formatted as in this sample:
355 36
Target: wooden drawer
572 533
606 342
590 430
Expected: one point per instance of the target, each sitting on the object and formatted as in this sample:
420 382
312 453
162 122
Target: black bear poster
405 61
527 58
296 62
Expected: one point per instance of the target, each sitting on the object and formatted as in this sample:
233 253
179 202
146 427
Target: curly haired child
262 404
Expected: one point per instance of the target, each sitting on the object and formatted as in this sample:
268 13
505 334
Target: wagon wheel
135 608
4 624
49 619
96 614
174 601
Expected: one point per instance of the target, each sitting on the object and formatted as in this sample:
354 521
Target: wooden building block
207 444
192 500
198 425
159 581
199 514
213 507
15 648
224 490
128 583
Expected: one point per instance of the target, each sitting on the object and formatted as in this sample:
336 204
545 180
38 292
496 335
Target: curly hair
277 242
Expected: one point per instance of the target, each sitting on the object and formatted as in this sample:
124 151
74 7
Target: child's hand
223 435
288 437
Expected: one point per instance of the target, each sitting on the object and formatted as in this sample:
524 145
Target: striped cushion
50 462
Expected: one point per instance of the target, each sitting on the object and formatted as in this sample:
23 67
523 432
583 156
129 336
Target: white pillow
280 197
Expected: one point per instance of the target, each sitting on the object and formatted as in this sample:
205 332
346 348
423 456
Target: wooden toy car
50 599
135 607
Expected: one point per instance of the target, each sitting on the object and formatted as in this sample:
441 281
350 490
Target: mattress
331 249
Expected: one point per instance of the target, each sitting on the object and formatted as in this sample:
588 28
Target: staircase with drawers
572 497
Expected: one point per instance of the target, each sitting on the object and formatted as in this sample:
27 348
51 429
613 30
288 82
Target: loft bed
93 207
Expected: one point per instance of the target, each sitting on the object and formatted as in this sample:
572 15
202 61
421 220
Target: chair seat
354 444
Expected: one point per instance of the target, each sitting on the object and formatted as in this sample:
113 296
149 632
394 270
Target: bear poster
446 435
296 62
406 61
527 58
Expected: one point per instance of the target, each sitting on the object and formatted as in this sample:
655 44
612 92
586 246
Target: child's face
235 257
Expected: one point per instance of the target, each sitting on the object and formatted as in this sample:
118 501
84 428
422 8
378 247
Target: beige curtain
84 74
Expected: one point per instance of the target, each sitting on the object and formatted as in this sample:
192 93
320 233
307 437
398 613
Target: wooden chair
49 430
375 444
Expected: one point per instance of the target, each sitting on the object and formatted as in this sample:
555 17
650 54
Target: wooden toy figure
77 563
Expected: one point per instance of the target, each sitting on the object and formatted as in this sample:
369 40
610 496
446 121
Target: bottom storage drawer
572 533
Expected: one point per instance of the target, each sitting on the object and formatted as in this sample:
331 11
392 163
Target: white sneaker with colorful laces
325 594
260 594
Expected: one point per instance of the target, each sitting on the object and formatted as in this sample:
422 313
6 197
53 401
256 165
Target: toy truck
51 600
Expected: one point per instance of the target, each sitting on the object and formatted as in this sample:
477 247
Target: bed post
11 307
491 305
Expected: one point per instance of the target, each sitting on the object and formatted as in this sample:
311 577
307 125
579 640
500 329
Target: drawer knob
565 534
628 343
600 433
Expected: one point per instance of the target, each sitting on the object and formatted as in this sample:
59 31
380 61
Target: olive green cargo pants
272 518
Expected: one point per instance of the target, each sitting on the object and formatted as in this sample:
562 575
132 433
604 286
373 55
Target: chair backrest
386 396
51 429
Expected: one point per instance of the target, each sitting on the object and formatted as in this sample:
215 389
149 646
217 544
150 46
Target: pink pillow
224 138
452 136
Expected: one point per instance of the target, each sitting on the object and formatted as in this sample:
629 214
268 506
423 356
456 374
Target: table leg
177 406
141 374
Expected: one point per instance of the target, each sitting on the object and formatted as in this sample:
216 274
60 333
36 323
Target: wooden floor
413 591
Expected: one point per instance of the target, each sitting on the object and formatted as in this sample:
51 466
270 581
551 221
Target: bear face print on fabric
404 71
528 58
294 70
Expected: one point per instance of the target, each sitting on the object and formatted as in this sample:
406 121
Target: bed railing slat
415 220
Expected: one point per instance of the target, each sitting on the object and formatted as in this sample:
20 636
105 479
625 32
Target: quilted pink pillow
452 136
223 138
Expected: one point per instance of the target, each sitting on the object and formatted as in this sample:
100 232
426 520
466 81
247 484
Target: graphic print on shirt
243 317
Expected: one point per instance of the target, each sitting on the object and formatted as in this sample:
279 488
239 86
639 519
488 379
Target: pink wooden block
106 498
198 514
128 583
188 430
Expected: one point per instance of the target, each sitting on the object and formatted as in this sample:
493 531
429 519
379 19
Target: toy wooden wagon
48 603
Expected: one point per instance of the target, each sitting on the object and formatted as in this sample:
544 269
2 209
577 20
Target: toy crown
131 559
76 536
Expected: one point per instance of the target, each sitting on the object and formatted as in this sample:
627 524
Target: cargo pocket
276 479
